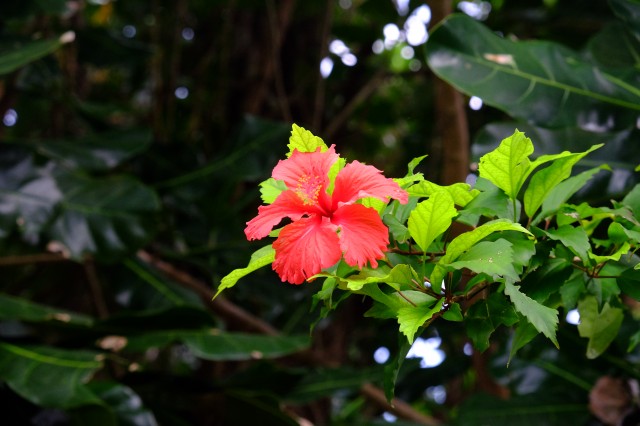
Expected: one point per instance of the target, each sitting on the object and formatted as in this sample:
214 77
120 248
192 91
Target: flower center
308 189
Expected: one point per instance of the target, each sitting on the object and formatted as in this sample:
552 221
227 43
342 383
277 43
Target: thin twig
397 407
33 258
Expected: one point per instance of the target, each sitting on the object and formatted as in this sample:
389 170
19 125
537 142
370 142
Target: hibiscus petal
288 204
307 173
357 180
363 236
304 248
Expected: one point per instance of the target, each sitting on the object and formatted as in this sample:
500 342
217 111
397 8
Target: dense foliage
135 137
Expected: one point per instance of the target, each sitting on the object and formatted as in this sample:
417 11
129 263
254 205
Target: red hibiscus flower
324 226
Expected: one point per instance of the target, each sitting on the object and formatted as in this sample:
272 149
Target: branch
234 313
220 305
397 407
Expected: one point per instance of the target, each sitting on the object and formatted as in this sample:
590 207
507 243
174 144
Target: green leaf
304 141
28 194
629 283
601 328
414 163
483 317
11 60
494 258
399 276
97 152
127 406
49 377
508 166
392 368
621 251
572 237
543 408
270 189
398 230
632 200
543 318
215 345
541 82
411 318
454 313
465 241
18 308
262 257
548 178
564 190
524 333
628 11
107 217
431 218
572 290
461 193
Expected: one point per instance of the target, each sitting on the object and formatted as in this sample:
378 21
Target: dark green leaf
574 238
494 258
98 152
49 377
482 319
543 318
28 194
529 410
11 60
541 82
17 308
629 283
215 345
127 406
106 217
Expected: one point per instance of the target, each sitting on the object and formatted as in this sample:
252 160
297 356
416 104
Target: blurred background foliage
134 134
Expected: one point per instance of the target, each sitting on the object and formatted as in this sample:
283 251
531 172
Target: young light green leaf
508 165
411 318
548 178
599 327
465 241
270 189
494 258
304 141
414 163
543 318
259 258
461 193
399 276
574 238
615 256
431 218
564 190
